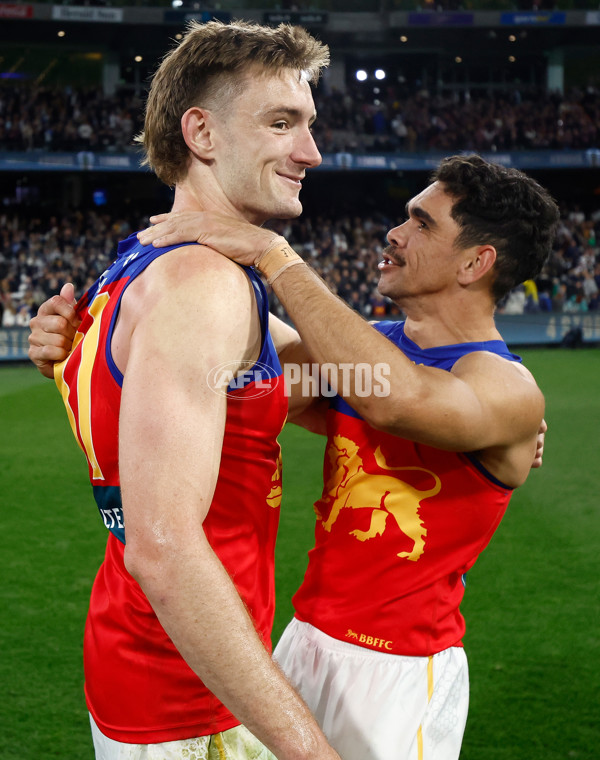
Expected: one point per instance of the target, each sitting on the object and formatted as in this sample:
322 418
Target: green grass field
532 602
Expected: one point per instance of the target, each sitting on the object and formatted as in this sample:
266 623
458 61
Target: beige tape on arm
276 258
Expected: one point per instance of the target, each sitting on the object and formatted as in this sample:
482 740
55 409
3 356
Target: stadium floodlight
177 3
361 75
379 74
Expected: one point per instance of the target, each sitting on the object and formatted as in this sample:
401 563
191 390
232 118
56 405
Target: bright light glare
379 74
361 75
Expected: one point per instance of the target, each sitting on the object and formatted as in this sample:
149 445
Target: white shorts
235 744
377 706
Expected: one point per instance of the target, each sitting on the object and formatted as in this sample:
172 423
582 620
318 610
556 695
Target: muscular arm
485 401
485 405
178 325
53 330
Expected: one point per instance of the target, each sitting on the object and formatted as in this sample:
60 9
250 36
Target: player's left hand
235 238
539 451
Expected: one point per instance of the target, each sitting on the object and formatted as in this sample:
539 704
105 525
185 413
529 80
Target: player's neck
428 325
191 194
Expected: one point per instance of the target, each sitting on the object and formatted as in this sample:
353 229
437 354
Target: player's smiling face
421 257
269 146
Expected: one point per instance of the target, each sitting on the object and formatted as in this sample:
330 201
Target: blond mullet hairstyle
207 70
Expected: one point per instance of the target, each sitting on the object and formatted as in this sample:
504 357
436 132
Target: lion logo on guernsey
274 497
386 495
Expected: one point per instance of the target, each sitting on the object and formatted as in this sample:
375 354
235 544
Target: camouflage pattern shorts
235 744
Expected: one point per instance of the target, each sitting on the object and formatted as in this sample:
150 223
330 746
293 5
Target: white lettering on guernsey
101 282
132 257
113 518
371 641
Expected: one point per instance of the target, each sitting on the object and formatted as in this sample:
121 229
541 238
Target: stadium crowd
37 256
385 118
420 121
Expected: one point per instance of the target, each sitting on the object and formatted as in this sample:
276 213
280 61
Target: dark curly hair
504 208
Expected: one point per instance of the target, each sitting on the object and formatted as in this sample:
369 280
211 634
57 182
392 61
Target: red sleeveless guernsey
398 526
138 687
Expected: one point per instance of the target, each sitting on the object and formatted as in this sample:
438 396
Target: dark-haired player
415 482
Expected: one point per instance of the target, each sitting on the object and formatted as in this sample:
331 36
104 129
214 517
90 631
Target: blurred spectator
66 119
396 119
515 301
9 315
37 256
387 118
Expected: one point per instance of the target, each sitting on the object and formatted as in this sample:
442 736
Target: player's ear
477 263
196 128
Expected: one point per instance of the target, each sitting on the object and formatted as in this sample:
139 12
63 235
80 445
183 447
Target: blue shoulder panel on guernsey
442 357
267 367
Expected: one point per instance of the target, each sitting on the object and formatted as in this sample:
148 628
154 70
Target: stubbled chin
384 286
291 211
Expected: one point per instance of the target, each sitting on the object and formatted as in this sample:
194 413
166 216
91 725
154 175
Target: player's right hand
539 449
53 330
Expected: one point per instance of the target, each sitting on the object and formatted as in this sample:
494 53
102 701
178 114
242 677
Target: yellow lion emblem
274 497
350 487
